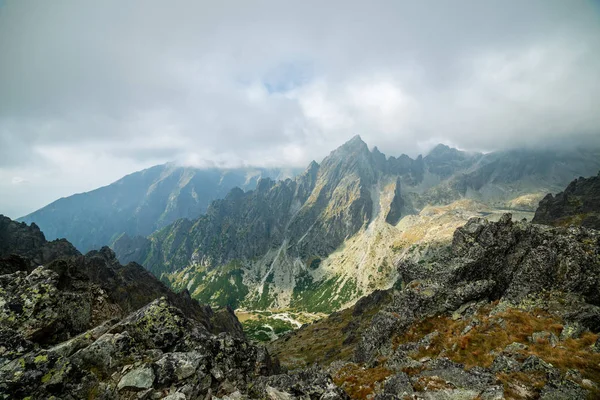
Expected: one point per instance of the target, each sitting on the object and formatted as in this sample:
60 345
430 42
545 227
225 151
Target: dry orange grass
494 333
358 382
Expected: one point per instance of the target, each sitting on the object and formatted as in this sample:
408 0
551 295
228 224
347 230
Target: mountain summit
335 232
142 202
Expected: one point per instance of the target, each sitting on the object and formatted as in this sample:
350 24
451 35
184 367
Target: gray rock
376 338
534 363
563 390
175 396
139 378
544 336
275 394
572 331
505 364
177 365
398 385
461 378
307 383
493 393
515 347
400 360
450 394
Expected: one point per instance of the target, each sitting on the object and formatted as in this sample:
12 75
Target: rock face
102 285
280 245
579 204
509 310
496 278
504 260
87 327
29 242
142 202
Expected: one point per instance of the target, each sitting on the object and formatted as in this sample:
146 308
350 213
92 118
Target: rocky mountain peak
440 148
353 157
354 144
578 204
443 152
27 240
313 166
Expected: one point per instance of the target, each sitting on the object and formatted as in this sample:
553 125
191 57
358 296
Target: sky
93 90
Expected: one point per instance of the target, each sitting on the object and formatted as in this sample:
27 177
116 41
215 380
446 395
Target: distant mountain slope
332 234
578 204
127 287
141 203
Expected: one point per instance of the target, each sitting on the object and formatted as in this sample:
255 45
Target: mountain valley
333 234
494 310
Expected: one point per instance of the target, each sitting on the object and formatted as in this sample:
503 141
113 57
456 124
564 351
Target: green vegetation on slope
219 287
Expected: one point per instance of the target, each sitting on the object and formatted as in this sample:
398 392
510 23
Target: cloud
17 180
90 91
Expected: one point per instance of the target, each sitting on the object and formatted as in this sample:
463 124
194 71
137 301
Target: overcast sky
93 90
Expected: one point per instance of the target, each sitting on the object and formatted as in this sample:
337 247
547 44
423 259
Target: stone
398 385
515 347
275 394
175 396
563 390
139 378
534 363
177 366
505 364
596 346
544 336
450 394
493 393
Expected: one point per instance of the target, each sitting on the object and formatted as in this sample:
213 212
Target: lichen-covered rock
309 383
455 374
563 390
398 385
522 258
37 306
137 379
546 336
505 364
578 204
491 268
87 327
155 348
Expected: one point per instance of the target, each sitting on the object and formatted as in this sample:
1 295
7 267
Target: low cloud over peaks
90 91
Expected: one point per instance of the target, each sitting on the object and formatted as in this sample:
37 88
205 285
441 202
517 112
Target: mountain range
317 240
505 310
335 232
142 202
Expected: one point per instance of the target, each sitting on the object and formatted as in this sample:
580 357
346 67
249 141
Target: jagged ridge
276 246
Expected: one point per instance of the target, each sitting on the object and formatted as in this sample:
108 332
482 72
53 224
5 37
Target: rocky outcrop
504 260
88 327
155 351
18 238
396 206
494 274
103 286
579 204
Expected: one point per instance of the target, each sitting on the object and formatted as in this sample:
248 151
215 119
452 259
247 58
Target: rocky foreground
578 204
509 310
86 327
